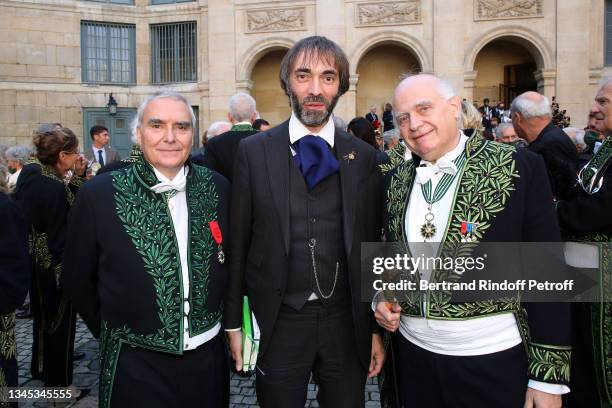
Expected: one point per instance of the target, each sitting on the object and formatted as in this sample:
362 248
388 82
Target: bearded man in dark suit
306 195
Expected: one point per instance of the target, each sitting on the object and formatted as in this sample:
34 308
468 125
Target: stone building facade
486 48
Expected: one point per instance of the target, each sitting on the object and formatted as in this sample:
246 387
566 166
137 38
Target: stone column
469 78
347 105
547 81
222 56
244 85
572 59
329 17
448 40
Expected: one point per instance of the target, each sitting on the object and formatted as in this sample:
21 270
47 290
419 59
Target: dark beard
312 117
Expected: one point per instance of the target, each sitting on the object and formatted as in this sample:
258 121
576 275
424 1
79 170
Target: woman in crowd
388 117
471 119
14 280
16 157
45 195
362 128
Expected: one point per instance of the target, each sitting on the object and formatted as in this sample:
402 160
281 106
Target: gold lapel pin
350 157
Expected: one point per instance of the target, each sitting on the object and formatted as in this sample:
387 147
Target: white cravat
177 204
480 336
426 172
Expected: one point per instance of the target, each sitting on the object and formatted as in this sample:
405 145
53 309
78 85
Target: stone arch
390 37
257 51
538 48
533 42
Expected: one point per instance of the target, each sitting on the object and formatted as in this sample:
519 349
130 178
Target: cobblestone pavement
86 372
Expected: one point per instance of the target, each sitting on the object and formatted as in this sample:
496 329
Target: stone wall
40 55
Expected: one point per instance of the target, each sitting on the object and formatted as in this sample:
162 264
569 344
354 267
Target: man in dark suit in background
371 115
487 113
532 119
100 151
221 150
306 194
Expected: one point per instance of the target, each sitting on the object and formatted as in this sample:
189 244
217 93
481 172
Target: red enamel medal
215 230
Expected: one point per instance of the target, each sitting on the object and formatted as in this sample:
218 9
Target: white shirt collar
180 175
243 123
95 149
297 130
453 154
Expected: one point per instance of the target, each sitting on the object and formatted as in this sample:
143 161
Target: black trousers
54 328
434 380
198 378
315 340
584 386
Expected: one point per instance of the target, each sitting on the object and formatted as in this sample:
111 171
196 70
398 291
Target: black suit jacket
588 214
260 227
221 150
561 159
371 117
14 256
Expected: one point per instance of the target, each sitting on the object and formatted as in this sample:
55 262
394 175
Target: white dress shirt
297 130
95 151
180 220
12 179
484 335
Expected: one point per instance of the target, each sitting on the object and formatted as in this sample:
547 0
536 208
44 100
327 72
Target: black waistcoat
315 215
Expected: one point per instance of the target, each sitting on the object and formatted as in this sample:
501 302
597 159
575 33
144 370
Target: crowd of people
164 252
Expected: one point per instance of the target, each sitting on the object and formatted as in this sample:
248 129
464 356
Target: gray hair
339 123
577 136
530 106
216 128
499 130
444 87
391 135
4 188
18 153
242 106
137 122
605 82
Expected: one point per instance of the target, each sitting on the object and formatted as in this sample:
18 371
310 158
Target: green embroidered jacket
499 188
587 218
126 278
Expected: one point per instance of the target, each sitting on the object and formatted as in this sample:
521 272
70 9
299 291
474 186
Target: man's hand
388 315
377 358
235 343
540 399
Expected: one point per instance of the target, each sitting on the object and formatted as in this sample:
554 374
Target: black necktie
100 158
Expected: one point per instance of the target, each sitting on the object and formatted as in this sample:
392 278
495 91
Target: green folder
250 337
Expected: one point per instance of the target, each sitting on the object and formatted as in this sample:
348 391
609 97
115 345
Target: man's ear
455 106
230 118
254 117
138 136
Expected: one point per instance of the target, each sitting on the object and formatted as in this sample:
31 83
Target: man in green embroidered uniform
472 354
587 218
146 269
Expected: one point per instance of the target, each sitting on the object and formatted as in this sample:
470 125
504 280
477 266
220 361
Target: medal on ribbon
468 230
215 230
